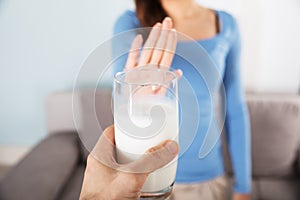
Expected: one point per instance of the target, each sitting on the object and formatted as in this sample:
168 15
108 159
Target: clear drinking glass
146 114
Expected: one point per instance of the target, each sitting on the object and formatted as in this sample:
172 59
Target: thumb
155 158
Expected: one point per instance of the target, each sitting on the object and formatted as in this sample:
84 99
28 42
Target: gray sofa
54 168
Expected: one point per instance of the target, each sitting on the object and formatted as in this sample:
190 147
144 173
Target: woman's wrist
238 196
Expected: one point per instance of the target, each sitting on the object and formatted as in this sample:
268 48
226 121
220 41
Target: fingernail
168 18
180 71
172 147
158 24
138 37
151 150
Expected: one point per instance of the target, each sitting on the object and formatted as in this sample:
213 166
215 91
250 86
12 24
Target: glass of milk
146 114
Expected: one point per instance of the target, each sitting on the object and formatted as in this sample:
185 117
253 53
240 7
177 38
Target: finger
109 132
150 44
134 52
169 51
154 158
178 73
158 147
104 150
162 41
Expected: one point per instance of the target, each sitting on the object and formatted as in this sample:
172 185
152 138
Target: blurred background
43 44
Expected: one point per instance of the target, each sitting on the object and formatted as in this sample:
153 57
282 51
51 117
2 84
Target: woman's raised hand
158 50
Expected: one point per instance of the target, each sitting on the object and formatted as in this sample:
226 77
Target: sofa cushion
44 171
73 186
299 161
275 131
279 189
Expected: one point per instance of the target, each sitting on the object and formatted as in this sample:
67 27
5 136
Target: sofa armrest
44 171
299 161
275 135
60 113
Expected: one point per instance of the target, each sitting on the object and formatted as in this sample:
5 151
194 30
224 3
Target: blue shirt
224 50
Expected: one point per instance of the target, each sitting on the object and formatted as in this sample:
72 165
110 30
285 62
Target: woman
204 177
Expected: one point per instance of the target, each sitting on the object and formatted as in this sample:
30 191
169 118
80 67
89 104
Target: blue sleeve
124 34
237 119
125 22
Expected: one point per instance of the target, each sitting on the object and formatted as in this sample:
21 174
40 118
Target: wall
269 29
280 39
43 43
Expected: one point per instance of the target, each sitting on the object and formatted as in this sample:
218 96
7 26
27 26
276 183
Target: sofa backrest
275 126
87 112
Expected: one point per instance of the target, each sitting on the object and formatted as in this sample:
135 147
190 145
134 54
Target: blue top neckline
215 37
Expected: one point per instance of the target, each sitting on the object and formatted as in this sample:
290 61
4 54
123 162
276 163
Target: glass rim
117 76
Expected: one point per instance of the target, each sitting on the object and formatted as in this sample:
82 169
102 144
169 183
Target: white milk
131 144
